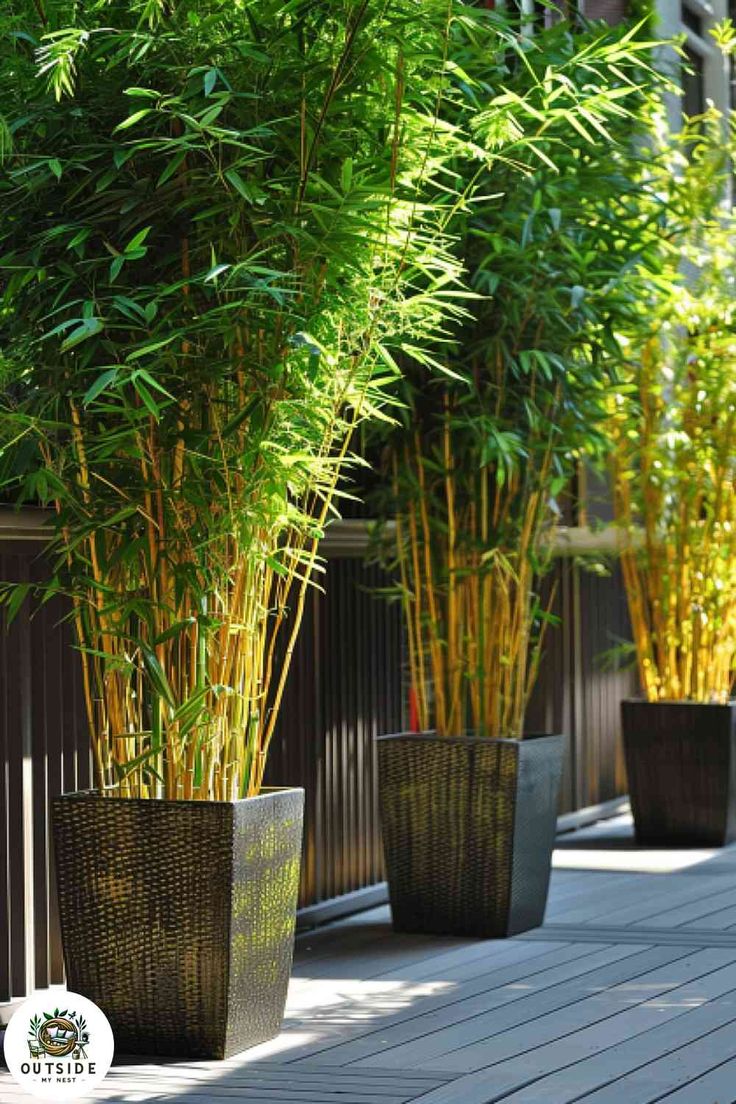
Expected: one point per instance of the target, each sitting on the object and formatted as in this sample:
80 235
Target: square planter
681 766
178 917
468 830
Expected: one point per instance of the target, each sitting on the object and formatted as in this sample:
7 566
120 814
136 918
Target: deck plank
544 1016
419 1029
662 937
599 1021
694 913
571 1082
716 1087
464 963
651 1082
655 895
626 995
335 1028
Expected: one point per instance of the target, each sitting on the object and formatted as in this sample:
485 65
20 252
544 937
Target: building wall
711 79
613 11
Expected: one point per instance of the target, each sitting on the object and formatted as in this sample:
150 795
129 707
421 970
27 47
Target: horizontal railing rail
351 536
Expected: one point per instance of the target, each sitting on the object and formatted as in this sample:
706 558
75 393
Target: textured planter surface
681 765
468 831
178 917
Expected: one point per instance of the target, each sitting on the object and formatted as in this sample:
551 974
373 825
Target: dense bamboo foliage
673 425
490 443
211 255
470 604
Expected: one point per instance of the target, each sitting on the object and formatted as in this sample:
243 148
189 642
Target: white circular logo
58 1045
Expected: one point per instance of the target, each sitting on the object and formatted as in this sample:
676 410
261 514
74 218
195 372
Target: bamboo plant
673 427
494 434
209 252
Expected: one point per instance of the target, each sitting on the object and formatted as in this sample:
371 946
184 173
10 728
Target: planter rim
95 795
676 701
431 735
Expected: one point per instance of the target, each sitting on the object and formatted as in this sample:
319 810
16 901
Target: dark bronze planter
178 917
468 831
681 766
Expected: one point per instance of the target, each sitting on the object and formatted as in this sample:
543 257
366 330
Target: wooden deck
626 996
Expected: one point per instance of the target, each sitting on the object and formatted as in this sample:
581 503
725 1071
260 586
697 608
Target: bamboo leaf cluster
492 440
673 426
212 252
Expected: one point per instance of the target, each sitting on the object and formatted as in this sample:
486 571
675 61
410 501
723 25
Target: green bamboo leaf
233 177
175 630
133 119
142 374
174 163
125 769
151 347
138 239
13 598
145 93
240 418
157 676
146 397
101 384
89 327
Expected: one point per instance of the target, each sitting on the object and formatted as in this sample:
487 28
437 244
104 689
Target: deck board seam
672 1050
549 1012
458 998
468 1020
695 937
587 1094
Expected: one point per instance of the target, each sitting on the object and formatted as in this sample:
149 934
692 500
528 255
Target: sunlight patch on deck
631 862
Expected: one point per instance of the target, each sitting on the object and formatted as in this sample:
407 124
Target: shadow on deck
627 995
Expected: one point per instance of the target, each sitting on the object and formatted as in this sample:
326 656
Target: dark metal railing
345 688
